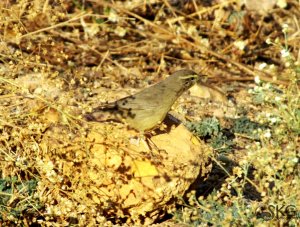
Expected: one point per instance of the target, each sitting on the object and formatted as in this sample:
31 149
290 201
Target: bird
146 109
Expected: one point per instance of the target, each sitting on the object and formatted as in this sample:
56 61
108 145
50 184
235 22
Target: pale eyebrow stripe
189 76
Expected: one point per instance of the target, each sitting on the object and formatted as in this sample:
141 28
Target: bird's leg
149 141
144 140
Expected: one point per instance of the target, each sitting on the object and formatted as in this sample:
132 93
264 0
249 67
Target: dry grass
60 58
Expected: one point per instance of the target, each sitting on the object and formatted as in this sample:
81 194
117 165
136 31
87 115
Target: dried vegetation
60 58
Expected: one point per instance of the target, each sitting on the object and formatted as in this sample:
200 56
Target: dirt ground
234 160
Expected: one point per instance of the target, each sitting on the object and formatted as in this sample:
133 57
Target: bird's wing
147 99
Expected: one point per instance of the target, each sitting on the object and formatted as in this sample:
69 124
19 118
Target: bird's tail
103 113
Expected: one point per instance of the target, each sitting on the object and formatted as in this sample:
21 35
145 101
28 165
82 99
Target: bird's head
184 78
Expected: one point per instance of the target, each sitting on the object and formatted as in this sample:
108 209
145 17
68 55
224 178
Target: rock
114 174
